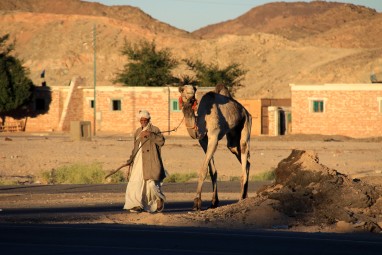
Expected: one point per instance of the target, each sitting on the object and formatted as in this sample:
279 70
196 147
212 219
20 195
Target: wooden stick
116 170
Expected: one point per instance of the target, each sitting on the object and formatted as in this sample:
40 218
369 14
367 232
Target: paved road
117 239
189 187
129 239
111 188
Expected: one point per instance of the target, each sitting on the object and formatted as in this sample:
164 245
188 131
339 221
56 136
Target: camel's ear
180 89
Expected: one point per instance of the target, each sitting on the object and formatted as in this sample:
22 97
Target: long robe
141 193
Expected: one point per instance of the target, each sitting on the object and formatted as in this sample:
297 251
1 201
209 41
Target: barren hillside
76 7
278 43
294 21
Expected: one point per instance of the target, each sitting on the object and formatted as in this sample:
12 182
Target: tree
147 66
15 86
211 75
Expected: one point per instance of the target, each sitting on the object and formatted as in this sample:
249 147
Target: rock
343 226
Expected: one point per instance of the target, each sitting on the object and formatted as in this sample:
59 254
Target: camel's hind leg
239 146
234 145
209 147
245 155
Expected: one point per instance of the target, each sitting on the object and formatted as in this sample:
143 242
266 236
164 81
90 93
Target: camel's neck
190 120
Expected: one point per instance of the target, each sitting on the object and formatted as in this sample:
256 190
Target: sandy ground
32 154
25 156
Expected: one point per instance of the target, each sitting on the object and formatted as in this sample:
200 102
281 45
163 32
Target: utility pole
95 79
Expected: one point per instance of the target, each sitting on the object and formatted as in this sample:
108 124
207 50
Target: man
143 190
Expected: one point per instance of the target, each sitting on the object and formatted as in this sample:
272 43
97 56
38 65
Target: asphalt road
189 187
171 207
133 239
122 239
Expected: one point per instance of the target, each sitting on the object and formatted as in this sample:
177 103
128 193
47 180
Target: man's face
144 122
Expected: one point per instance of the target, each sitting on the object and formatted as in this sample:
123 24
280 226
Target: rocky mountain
278 43
294 21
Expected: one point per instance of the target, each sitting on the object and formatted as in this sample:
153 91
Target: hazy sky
191 15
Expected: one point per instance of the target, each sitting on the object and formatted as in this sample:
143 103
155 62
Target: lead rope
174 129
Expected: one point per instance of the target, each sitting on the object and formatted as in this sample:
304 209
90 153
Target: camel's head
187 94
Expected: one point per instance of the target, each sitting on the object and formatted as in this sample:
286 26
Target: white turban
144 114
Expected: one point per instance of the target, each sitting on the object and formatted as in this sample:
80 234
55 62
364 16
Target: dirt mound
305 194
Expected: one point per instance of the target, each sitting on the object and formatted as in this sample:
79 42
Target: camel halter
194 107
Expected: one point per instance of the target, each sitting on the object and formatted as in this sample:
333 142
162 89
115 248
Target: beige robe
141 193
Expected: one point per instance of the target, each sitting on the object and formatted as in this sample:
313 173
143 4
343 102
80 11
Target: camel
218 115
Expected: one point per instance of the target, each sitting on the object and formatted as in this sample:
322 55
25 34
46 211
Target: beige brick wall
350 109
254 108
46 122
157 100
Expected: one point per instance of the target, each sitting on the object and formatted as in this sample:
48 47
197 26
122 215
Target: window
175 105
40 104
116 105
91 104
317 105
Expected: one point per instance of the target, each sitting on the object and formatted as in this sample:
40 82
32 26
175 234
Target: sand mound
305 193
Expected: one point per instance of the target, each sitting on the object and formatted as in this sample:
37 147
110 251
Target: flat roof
336 87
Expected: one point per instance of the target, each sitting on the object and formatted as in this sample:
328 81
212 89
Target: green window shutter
175 105
318 106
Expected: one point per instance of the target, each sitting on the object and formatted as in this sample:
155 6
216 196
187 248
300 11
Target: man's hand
145 134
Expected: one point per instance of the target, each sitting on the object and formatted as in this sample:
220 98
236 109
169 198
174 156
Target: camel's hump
215 98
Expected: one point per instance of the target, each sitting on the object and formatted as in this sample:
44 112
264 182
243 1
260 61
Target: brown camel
217 115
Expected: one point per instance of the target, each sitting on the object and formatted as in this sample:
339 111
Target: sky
191 15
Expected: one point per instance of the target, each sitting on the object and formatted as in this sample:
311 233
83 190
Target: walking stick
124 165
128 174
116 170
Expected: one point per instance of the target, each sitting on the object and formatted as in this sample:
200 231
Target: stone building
71 108
353 110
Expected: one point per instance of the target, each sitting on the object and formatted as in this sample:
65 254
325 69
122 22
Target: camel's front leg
209 146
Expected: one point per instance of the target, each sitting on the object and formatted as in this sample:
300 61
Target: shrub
265 176
75 174
177 178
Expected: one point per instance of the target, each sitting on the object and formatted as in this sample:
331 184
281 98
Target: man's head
144 117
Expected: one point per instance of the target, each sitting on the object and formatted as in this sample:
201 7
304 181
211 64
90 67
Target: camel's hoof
214 205
195 209
197 204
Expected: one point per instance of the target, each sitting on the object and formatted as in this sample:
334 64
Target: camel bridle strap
174 129
194 106
194 127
